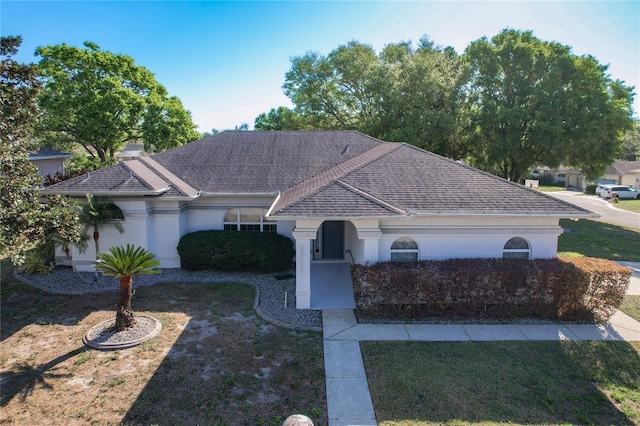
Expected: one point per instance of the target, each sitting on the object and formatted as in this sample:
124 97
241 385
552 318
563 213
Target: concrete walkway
348 397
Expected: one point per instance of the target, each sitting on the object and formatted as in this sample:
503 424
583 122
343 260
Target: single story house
341 196
558 175
48 160
621 172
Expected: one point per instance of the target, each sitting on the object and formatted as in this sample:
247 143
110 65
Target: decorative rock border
101 337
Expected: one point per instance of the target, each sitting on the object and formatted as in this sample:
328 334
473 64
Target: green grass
628 205
598 239
490 383
631 306
551 188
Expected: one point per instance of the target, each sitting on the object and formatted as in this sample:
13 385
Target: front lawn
629 205
214 362
490 383
631 306
597 239
551 188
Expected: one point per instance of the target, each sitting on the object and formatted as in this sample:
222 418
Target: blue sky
226 61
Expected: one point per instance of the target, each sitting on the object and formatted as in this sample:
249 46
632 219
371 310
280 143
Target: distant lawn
551 188
597 239
490 383
628 205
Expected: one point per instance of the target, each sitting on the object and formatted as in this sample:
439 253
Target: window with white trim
404 249
248 219
516 248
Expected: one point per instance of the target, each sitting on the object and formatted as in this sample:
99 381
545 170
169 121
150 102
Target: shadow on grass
214 362
23 379
597 239
23 305
568 382
228 366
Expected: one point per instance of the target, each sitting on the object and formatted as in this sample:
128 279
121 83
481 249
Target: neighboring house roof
45 153
131 151
321 174
622 168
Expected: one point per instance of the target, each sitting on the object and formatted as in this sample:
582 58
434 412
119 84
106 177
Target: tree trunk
124 314
96 236
67 252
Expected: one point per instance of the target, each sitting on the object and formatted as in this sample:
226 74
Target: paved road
606 210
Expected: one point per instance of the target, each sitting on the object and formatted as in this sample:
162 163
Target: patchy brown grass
215 362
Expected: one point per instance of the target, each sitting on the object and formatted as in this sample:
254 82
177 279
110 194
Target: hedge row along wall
576 289
235 251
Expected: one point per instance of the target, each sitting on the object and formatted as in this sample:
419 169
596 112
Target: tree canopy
100 101
25 222
504 105
401 94
281 118
534 102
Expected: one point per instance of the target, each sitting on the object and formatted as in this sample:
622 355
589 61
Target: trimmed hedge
590 189
576 289
235 251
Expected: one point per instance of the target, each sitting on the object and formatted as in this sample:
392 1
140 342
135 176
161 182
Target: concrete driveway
607 211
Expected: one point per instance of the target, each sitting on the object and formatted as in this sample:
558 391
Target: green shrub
235 251
35 263
569 289
546 179
590 189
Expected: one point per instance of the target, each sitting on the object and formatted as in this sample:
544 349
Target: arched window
516 248
247 219
115 211
404 249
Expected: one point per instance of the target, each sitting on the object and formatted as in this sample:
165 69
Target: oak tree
100 101
532 102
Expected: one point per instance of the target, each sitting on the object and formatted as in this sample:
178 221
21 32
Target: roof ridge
146 175
315 183
180 185
370 197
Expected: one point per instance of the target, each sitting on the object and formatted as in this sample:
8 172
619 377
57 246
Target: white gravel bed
106 334
271 300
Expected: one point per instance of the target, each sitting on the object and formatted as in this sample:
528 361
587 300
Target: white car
622 192
602 186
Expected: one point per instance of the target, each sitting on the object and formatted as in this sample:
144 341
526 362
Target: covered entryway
331 285
329 242
325 249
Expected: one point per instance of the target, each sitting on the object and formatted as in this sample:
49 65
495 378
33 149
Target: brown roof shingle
322 173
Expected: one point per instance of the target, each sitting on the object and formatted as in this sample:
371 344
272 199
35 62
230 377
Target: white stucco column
303 237
371 239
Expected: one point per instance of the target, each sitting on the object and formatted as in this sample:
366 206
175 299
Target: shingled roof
405 180
321 174
140 177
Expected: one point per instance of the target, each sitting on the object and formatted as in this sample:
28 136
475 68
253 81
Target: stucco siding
49 166
442 238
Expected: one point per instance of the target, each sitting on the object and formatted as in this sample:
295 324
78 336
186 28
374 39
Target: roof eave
76 193
50 157
560 215
240 194
343 217
576 215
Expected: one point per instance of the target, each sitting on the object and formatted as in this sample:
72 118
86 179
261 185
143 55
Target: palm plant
123 263
58 240
96 215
